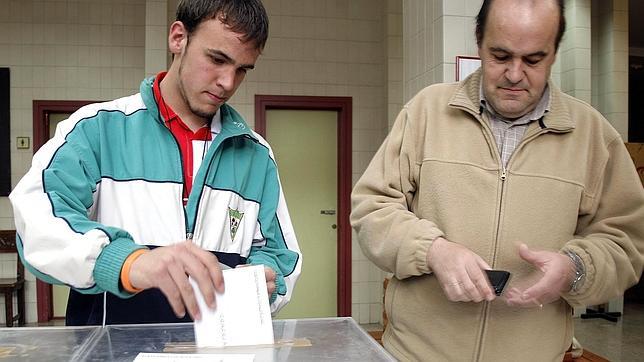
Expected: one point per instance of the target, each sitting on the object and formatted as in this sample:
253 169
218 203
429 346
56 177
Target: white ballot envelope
242 316
179 357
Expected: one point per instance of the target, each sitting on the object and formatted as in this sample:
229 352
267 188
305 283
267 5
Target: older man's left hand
557 273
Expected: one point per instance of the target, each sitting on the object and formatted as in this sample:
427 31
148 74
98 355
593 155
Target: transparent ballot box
332 339
46 343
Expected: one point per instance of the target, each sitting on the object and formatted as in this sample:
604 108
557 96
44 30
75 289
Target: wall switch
22 143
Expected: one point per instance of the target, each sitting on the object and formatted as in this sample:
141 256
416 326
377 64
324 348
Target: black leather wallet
498 279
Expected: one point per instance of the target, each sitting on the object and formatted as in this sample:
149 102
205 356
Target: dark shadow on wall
636 99
5 141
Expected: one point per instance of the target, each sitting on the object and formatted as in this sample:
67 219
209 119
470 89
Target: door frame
343 106
5 127
41 111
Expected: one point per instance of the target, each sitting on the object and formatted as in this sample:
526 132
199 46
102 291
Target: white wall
435 32
394 50
575 50
156 36
65 50
610 61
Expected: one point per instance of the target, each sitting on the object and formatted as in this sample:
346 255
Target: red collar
170 118
166 112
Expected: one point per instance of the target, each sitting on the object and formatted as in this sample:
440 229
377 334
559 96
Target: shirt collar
215 123
166 111
168 114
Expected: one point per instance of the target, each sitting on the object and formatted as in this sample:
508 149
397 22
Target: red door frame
41 111
343 106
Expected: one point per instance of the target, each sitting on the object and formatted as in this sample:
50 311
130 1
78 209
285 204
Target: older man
500 171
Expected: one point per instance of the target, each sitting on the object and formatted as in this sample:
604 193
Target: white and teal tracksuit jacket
110 181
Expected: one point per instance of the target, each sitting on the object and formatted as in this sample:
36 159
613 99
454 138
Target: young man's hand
270 276
168 268
270 280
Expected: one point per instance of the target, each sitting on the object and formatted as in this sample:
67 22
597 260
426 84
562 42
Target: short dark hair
481 20
246 17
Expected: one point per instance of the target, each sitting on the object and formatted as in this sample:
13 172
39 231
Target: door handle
327 212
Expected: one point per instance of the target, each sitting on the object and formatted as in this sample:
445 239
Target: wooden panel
637 154
377 335
587 356
7 241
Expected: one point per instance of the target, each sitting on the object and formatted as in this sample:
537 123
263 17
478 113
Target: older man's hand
460 272
557 273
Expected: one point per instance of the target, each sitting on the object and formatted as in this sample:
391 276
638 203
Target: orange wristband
125 271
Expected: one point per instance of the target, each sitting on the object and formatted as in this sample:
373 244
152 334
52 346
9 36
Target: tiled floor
618 342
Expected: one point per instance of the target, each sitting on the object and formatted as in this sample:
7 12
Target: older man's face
517 53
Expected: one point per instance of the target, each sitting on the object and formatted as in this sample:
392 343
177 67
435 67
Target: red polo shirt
184 136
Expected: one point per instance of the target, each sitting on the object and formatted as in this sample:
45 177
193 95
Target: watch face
580 271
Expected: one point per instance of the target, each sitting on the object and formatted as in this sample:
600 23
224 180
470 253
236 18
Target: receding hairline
487 6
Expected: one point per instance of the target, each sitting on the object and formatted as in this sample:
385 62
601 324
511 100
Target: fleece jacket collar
558 120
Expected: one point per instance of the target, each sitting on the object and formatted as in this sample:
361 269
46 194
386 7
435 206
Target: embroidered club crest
235 219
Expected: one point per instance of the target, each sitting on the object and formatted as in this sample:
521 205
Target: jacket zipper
486 306
502 178
183 181
190 232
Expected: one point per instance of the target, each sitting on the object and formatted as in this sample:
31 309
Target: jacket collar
557 119
232 123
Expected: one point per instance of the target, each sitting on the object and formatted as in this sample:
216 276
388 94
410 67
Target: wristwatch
580 271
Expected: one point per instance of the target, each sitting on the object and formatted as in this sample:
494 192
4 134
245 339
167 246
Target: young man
500 171
134 196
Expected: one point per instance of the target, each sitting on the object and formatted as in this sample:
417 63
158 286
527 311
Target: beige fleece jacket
570 184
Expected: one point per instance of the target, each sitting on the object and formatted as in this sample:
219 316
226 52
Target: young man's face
212 65
517 53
